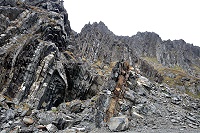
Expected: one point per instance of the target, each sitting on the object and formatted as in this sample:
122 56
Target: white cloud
171 19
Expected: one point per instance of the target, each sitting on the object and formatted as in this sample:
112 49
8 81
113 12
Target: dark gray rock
176 99
191 119
61 123
26 129
26 112
174 121
145 82
10 114
76 106
46 118
101 107
134 113
26 57
193 126
130 95
8 3
62 107
111 85
5 125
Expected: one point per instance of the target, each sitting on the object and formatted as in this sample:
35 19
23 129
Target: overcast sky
171 19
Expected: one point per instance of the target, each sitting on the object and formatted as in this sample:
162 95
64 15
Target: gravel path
172 130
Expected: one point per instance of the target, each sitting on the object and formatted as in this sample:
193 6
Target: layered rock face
96 38
178 52
36 65
155 58
98 44
55 80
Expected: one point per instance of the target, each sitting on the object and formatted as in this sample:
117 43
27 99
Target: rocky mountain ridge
148 44
156 59
55 80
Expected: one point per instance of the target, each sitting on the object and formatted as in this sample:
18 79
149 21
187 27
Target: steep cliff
37 63
56 80
147 44
156 59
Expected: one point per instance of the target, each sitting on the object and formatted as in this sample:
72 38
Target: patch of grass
176 71
112 64
7 98
193 95
151 59
98 63
196 68
103 70
178 68
70 54
99 71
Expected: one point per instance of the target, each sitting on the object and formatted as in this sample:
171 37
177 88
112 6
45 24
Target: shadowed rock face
36 66
54 93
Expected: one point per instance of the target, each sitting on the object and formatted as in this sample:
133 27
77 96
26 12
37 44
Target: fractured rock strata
36 64
55 80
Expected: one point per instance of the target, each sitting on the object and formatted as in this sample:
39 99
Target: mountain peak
100 27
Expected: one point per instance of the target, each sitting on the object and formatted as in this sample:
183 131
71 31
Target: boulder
51 128
28 120
118 124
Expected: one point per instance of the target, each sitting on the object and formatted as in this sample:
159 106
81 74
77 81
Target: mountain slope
55 80
157 59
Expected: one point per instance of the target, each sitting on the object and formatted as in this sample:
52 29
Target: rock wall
97 42
145 51
55 79
178 52
36 54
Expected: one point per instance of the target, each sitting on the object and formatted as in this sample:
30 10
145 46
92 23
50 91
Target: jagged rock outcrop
145 103
40 68
147 44
178 52
98 44
145 50
55 80
37 65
